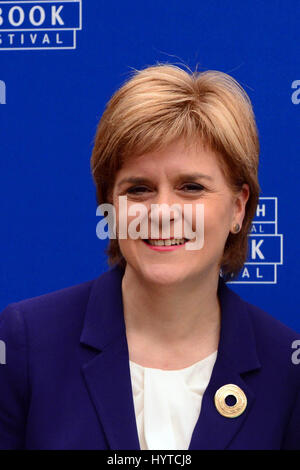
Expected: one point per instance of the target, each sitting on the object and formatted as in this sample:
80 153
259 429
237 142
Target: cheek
217 220
132 219
127 246
128 225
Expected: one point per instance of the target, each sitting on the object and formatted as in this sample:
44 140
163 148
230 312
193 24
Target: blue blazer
66 382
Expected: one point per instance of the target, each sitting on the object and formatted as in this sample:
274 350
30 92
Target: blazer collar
107 374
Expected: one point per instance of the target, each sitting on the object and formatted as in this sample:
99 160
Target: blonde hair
162 103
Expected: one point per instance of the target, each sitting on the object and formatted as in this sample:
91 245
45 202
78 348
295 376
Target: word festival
38 38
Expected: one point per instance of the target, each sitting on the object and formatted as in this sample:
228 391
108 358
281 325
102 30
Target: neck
173 316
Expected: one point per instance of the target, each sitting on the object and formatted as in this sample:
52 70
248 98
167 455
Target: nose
165 216
160 204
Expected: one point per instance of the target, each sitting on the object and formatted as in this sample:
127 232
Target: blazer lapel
107 375
236 356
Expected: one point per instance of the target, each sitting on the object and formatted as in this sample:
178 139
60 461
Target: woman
158 352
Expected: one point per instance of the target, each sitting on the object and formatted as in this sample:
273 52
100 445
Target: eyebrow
182 176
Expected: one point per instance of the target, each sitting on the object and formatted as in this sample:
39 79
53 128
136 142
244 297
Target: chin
164 274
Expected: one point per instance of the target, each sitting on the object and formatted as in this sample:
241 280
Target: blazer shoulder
277 344
67 295
53 312
265 322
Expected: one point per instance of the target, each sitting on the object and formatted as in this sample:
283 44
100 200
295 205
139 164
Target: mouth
165 242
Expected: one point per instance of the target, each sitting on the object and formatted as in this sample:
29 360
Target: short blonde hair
162 103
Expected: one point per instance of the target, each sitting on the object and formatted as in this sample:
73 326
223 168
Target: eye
137 190
192 187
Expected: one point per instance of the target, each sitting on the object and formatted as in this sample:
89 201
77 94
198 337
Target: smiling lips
169 244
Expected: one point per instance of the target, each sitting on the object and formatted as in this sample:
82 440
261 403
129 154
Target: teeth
169 242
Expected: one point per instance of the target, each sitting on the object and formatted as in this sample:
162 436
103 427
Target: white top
167 403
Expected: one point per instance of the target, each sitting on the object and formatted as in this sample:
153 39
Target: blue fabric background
54 99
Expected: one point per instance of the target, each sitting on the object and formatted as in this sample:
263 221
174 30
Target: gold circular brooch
237 408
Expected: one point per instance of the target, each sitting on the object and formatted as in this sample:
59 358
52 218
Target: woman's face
178 175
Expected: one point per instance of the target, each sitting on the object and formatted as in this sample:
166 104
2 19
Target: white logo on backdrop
2 92
296 94
40 25
2 352
265 246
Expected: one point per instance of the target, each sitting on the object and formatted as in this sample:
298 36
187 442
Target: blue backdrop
59 64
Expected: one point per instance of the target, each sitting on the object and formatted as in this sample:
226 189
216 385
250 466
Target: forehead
174 158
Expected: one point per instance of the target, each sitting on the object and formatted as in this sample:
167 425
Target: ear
240 201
